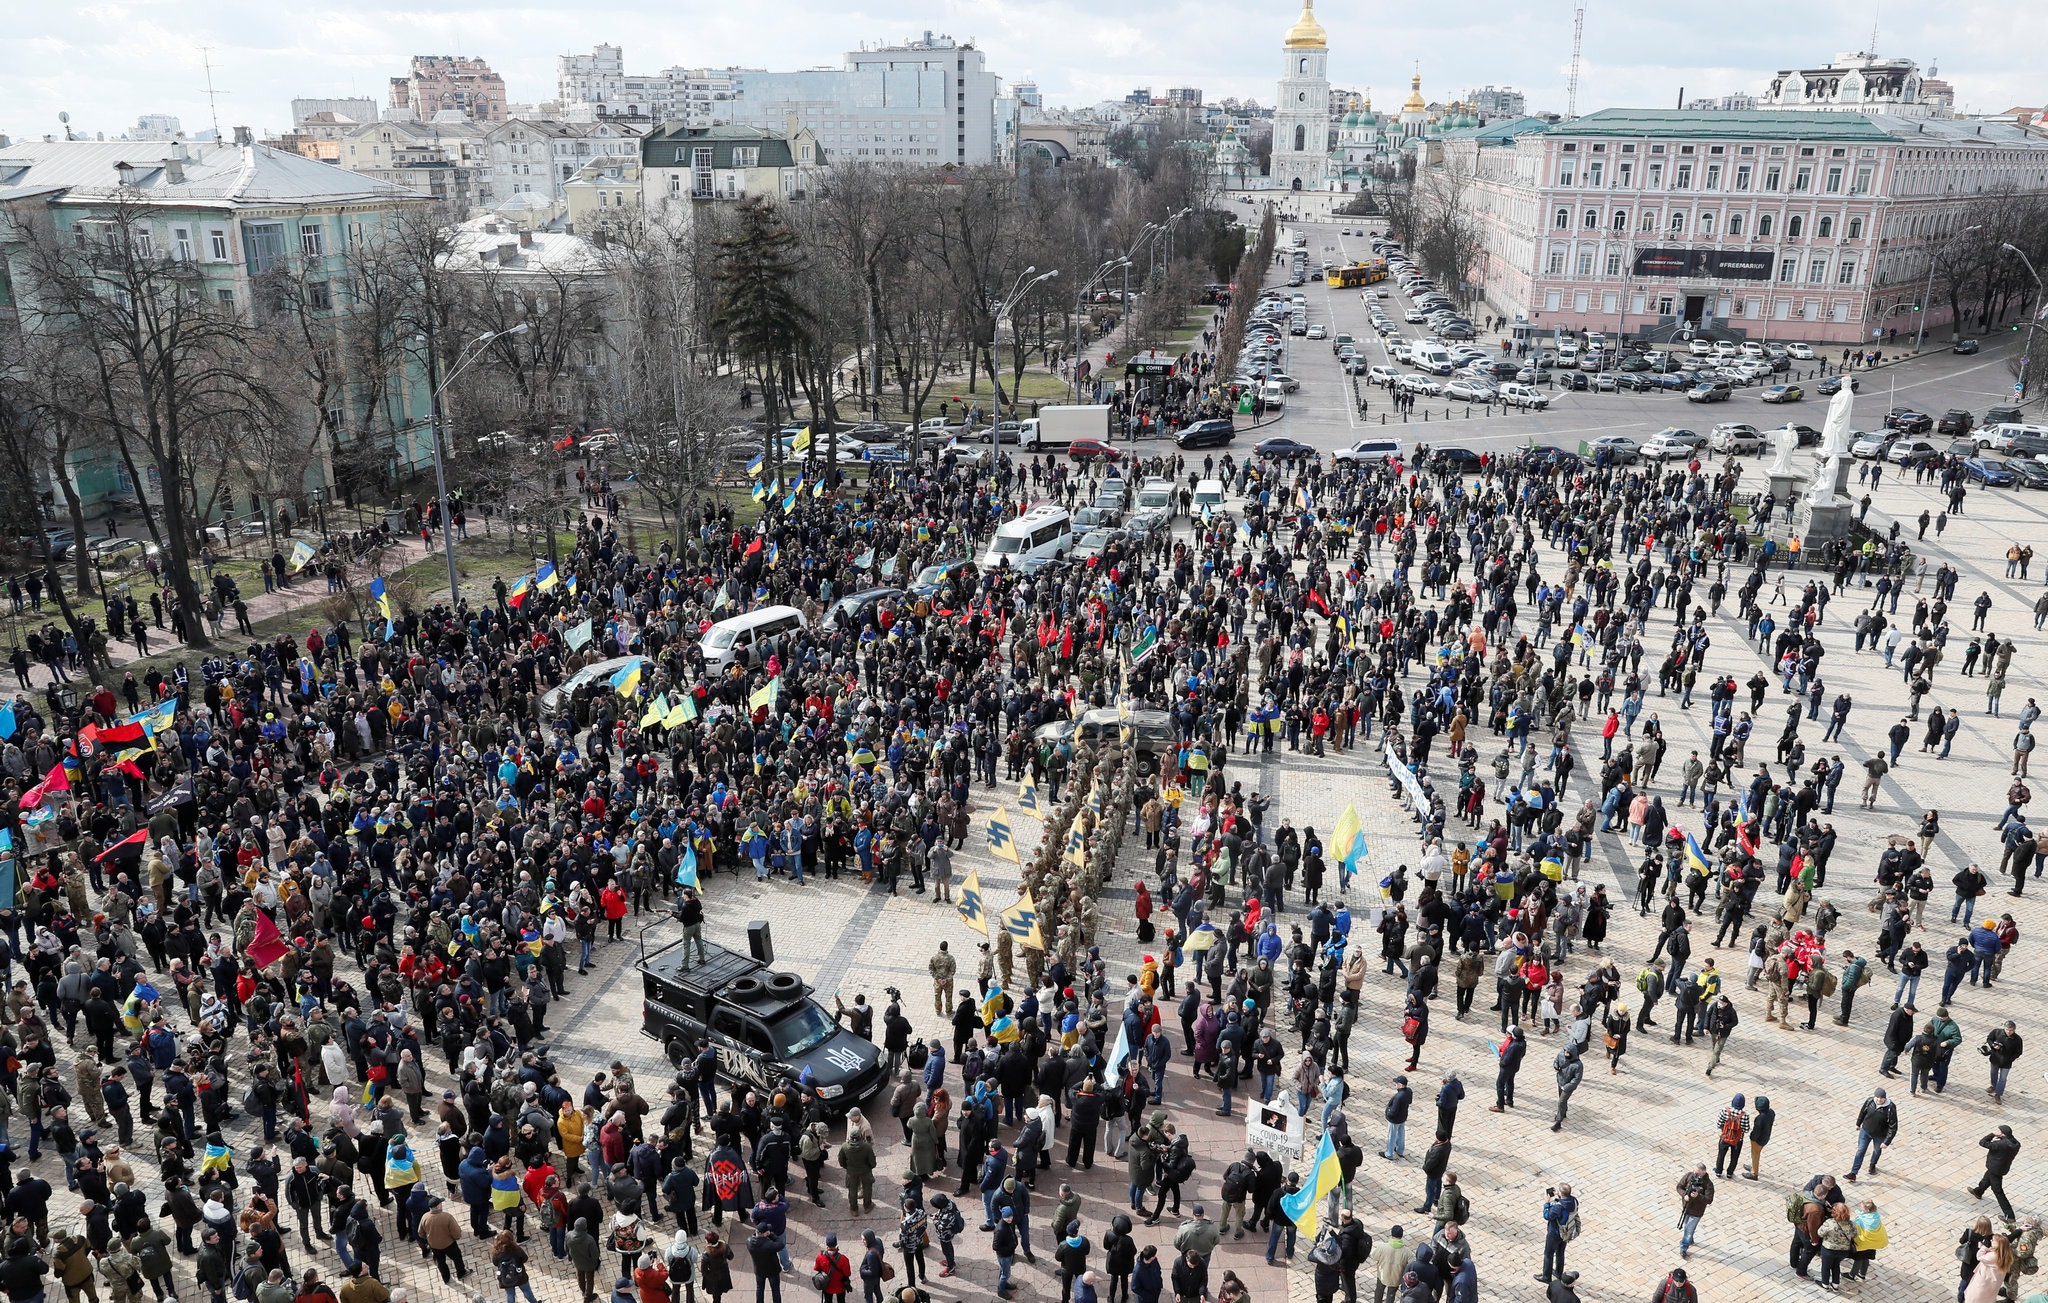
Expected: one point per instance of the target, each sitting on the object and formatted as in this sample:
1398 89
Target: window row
1802 179
1766 223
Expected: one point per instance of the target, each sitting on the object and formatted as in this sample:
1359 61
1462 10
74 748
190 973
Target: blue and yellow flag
1075 852
546 577
627 681
1695 860
760 492
1027 798
1347 839
570 583
219 1158
754 466
1001 842
686 872
518 593
1304 1206
377 596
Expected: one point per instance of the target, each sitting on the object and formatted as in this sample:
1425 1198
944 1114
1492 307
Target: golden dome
1415 102
1307 33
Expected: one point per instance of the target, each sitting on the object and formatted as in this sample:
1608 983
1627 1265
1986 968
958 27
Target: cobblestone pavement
1629 1136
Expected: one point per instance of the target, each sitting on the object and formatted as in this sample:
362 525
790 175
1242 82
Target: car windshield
803 1028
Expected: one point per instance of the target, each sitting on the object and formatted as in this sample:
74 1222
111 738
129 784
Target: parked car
1955 421
1870 446
1456 458
1800 352
1282 447
2029 472
1472 391
1318 332
1965 346
1736 437
1629 382
1907 421
1806 435
1783 394
1669 445
1985 471
1093 450
1712 391
1620 449
1905 451
1832 385
1215 433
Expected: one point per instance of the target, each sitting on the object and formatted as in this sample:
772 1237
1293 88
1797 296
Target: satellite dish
64 118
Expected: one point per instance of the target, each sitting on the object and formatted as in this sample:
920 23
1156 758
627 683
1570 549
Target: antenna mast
212 97
1571 94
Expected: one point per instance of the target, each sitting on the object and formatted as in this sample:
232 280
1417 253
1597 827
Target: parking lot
1329 411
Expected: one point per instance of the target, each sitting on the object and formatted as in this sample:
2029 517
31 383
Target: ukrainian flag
1695 859
1304 1206
686 872
754 466
571 583
818 489
218 1158
627 681
1347 840
377 596
760 492
546 579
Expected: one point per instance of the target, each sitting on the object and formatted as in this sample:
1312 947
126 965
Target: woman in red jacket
834 1272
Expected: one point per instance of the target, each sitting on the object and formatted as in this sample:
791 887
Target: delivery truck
1055 428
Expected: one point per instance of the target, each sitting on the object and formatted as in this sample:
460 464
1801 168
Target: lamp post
1920 336
1018 290
434 418
2040 304
1166 246
1101 274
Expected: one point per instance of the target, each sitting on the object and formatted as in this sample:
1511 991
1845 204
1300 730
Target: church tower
1301 118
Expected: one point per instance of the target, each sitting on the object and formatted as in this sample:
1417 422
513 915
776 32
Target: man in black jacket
1082 1124
1434 1164
1898 1032
2000 1149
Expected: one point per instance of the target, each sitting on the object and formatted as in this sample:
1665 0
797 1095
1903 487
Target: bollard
1425 413
1468 411
1383 418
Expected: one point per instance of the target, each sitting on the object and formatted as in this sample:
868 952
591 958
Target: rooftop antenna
1876 10
1571 94
212 96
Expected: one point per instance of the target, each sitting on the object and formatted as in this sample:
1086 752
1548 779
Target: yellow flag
1027 799
765 695
1075 841
802 440
657 711
971 911
1021 921
1001 843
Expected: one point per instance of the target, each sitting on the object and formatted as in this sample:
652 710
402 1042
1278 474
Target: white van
1273 394
1208 494
728 640
1999 437
1155 493
1038 535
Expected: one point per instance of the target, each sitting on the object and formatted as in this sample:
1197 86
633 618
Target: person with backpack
1734 1126
1560 1227
832 1272
1695 1192
1676 1289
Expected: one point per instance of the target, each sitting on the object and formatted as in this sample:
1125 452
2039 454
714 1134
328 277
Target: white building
156 126
1301 119
356 108
930 100
1857 83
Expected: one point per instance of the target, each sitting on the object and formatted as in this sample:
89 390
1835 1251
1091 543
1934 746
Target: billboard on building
1714 264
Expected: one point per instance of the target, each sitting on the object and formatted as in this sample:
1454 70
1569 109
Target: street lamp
2040 304
469 354
1018 290
1101 274
1921 335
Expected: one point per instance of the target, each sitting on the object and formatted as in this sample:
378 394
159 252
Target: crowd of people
316 908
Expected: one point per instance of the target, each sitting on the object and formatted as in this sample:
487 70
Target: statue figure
1786 442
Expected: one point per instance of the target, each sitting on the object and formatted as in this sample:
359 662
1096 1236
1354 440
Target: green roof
1702 124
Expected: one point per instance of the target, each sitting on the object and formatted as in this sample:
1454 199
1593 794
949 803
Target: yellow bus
1357 274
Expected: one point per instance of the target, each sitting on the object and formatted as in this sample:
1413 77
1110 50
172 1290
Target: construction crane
1571 94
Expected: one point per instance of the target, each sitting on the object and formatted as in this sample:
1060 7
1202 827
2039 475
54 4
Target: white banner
1275 1128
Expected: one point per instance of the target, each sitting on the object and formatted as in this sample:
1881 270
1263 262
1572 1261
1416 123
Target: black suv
1215 433
1955 421
762 1026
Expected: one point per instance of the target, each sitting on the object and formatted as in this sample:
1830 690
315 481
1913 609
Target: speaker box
759 943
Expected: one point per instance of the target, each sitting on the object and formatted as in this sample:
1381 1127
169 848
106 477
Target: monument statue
1834 449
1785 441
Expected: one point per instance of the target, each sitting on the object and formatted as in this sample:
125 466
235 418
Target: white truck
1056 428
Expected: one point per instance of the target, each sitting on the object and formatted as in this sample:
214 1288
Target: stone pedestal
1786 489
1824 522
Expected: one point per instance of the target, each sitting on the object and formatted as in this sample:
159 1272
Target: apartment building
442 83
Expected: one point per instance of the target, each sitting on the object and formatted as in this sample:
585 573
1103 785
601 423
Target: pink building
440 83
1779 225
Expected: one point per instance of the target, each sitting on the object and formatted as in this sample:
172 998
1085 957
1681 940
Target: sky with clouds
108 61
